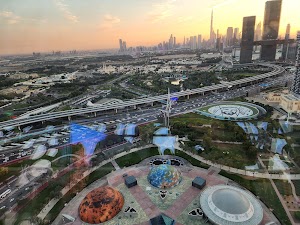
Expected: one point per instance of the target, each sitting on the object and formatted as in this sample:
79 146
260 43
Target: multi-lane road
138 117
277 71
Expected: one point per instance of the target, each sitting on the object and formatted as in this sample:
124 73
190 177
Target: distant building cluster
123 47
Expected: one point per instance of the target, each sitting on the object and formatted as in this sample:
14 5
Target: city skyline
67 25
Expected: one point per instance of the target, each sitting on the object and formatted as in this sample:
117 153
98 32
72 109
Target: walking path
113 162
52 203
43 213
279 196
245 172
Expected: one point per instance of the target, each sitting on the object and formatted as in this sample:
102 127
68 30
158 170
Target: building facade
296 85
247 39
270 29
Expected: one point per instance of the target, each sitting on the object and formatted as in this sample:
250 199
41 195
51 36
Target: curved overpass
277 70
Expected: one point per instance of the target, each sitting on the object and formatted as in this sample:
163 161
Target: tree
207 142
3 171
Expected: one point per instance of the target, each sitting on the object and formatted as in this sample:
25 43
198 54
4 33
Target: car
12 199
26 189
3 207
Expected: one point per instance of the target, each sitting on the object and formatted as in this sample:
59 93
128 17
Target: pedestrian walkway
43 213
185 199
115 164
145 202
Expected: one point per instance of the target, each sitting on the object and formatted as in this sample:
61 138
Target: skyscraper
296 84
258 32
271 27
124 46
285 45
121 45
199 41
247 39
171 42
236 35
229 36
211 37
195 42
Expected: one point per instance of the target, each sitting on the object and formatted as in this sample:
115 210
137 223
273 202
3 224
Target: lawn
264 190
136 157
283 187
228 154
96 175
34 206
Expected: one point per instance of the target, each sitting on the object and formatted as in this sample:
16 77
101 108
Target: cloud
10 17
184 19
226 2
64 8
109 21
161 11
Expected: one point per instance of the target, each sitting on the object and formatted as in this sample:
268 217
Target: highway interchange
277 71
139 116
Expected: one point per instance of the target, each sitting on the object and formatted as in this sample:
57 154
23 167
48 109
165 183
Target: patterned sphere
164 176
101 205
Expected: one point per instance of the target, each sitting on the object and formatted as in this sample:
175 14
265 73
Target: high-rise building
124 46
121 45
195 42
171 42
174 42
247 39
258 32
296 85
229 36
211 37
271 28
236 35
199 41
285 45
184 41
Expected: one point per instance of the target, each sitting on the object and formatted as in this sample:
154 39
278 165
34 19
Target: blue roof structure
278 145
130 129
165 142
162 131
120 129
86 136
262 125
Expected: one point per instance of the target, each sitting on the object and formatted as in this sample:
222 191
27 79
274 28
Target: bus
5 193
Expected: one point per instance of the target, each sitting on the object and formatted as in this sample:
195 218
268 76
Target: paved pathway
245 172
279 196
43 213
115 164
48 207
145 202
184 200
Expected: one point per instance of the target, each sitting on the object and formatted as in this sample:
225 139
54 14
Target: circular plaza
138 195
234 111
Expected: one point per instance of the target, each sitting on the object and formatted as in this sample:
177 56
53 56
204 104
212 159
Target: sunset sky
46 25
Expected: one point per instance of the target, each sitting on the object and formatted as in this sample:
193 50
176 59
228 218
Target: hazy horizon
63 25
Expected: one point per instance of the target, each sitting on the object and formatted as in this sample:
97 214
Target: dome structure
224 204
164 176
101 205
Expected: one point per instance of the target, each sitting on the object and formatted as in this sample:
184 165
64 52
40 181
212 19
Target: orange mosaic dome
101 205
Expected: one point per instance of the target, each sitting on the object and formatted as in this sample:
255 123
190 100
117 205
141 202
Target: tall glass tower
296 84
271 28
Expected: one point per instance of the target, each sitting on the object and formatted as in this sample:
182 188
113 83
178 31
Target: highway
277 70
139 117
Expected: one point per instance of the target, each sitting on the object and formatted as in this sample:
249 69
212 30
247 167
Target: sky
28 26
